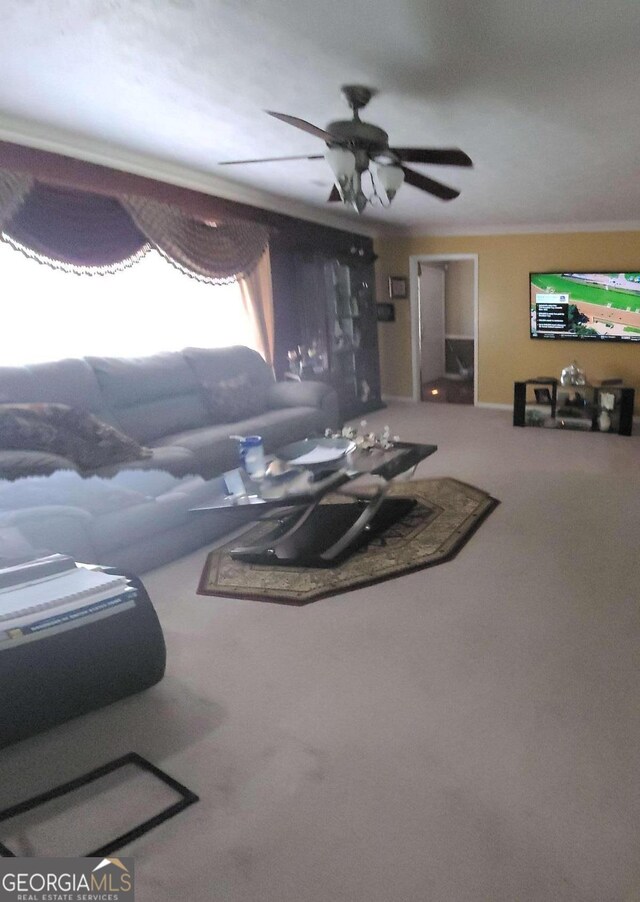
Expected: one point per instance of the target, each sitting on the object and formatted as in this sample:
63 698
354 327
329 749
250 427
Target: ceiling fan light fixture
390 178
342 163
357 150
352 193
359 199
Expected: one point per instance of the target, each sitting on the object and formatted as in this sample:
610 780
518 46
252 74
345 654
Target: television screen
594 306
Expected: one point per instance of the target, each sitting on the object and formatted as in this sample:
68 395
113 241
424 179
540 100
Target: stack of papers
319 455
56 600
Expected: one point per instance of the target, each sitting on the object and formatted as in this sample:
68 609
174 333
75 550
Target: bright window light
149 307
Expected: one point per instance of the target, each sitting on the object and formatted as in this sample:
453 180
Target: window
48 314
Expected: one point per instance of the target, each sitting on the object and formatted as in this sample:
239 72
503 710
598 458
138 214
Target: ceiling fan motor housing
357 96
365 140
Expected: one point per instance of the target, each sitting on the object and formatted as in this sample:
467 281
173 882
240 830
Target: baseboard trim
493 406
488 405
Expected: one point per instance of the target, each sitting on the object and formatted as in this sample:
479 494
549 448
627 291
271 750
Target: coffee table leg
323 535
265 546
360 525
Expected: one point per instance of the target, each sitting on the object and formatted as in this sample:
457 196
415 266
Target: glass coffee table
309 531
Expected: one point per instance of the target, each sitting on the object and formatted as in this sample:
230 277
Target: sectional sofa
136 514
169 403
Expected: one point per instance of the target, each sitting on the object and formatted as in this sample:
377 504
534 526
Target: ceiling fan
356 149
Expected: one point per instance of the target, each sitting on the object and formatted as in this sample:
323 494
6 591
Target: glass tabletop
303 485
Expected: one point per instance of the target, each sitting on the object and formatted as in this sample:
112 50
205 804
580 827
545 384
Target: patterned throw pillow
234 399
67 431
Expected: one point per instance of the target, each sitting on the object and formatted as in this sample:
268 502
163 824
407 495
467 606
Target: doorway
444 327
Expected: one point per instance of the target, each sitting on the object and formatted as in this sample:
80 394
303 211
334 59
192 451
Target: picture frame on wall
386 313
398 287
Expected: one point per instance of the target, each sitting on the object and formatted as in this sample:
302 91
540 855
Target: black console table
577 407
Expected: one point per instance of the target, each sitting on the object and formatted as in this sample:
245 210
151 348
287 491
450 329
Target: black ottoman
57 677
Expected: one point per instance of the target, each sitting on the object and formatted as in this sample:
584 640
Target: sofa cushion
153 396
213 365
165 507
170 459
236 398
65 431
306 394
53 527
71 382
14 464
92 495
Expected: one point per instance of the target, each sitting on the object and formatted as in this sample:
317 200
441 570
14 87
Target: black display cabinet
325 314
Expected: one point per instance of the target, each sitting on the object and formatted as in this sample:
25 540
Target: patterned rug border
448 555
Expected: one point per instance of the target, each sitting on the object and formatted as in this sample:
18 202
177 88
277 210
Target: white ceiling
543 95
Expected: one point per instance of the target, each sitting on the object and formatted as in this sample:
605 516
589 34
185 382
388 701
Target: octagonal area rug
445 517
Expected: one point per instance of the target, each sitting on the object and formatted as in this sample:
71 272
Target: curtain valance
89 232
13 189
86 231
214 251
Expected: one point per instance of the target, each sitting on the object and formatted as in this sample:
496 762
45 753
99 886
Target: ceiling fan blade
335 195
305 126
316 156
445 156
426 184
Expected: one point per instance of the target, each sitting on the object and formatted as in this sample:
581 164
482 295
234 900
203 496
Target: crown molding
529 229
80 147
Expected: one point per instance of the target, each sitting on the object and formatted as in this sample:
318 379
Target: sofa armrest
297 394
305 394
16 464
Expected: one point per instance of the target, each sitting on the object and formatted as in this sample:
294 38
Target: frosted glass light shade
390 178
342 162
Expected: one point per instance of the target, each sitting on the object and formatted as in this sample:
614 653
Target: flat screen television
585 306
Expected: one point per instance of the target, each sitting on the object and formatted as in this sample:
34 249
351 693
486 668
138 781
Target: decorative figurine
366 441
607 400
604 421
573 375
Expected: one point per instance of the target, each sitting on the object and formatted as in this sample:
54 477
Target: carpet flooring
470 736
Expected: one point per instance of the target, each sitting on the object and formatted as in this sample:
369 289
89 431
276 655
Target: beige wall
505 351
458 295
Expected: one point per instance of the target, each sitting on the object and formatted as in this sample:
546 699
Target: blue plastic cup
252 455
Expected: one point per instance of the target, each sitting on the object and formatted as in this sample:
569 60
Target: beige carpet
475 740
446 515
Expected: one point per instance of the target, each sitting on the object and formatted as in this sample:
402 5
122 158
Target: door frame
414 295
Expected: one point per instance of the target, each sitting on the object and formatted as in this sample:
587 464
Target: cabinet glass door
344 334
